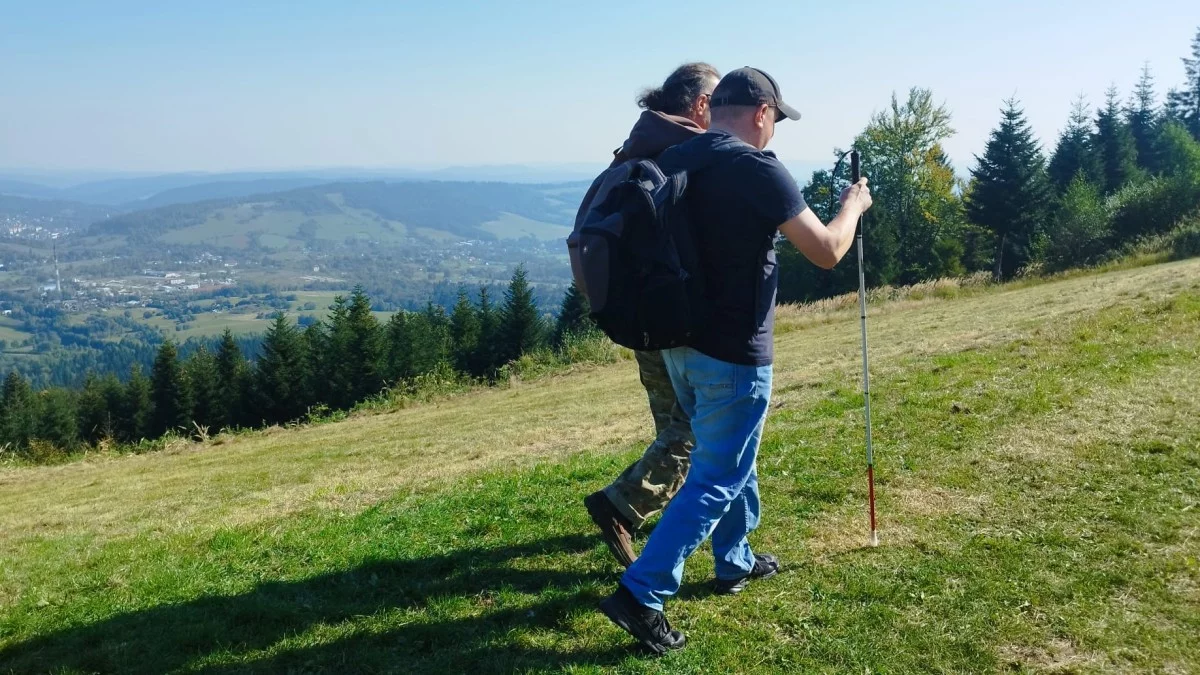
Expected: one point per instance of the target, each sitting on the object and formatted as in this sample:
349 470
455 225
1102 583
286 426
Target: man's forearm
841 230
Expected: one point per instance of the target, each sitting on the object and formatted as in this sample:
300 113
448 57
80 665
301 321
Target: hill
1038 457
50 213
376 211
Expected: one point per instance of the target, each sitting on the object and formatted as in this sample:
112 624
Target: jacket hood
653 133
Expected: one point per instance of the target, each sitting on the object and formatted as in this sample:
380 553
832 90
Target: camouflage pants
646 486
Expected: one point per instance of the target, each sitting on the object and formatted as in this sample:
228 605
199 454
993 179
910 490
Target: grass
512 226
1038 480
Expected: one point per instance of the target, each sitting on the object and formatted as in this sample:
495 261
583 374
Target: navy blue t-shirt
736 204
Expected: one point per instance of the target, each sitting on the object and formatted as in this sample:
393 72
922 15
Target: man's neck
729 129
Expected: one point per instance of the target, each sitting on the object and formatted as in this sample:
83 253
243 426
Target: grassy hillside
1039 478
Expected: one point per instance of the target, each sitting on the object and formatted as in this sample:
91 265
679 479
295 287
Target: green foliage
169 393
573 317
1115 147
1183 105
18 413
57 423
1142 118
1185 241
486 358
464 332
204 387
1074 154
135 420
1153 206
1079 235
233 385
521 329
280 378
1011 193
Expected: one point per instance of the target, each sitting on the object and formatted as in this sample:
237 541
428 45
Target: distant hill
67 213
373 211
222 190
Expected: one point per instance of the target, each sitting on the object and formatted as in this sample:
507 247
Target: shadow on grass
171 637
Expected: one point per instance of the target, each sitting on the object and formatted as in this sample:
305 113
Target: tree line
1114 176
329 365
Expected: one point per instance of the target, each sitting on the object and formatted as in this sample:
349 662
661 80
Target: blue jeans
728 405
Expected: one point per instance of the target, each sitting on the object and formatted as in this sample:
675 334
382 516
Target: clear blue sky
218 85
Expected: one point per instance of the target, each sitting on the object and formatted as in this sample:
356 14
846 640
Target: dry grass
351 464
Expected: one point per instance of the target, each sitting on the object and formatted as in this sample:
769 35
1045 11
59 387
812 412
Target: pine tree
318 346
489 335
18 424
430 330
1142 118
168 391
1074 155
399 348
203 383
363 351
573 317
279 377
95 417
1114 145
137 411
232 382
1011 195
57 421
1184 104
464 332
334 377
521 329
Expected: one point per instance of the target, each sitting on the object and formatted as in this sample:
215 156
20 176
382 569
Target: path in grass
1039 473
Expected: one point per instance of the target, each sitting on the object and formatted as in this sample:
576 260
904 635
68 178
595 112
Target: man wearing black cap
738 198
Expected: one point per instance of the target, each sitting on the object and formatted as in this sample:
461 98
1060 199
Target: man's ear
701 103
760 117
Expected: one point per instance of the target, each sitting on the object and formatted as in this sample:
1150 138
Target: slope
1039 464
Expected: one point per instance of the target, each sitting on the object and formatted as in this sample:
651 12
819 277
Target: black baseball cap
751 86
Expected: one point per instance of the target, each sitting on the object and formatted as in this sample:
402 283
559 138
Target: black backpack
638 260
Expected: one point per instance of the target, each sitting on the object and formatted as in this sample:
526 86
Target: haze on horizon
223 86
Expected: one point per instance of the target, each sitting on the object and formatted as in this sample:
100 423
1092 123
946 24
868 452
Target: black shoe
648 626
765 567
615 528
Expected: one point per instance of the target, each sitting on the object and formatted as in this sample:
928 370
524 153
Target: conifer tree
279 375
18 412
399 348
362 351
1114 145
1183 104
95 418
57 421
203 383
169 393
573 317
489 335
138 408
1142 118
521 329
1011 194
232 382
464 332
1074 155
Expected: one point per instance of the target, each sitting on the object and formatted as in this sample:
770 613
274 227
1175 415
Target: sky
220 86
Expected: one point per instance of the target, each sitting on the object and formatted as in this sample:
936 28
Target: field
1039 478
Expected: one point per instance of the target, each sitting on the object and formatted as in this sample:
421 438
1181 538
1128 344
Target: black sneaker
650 627
615 528
765 567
